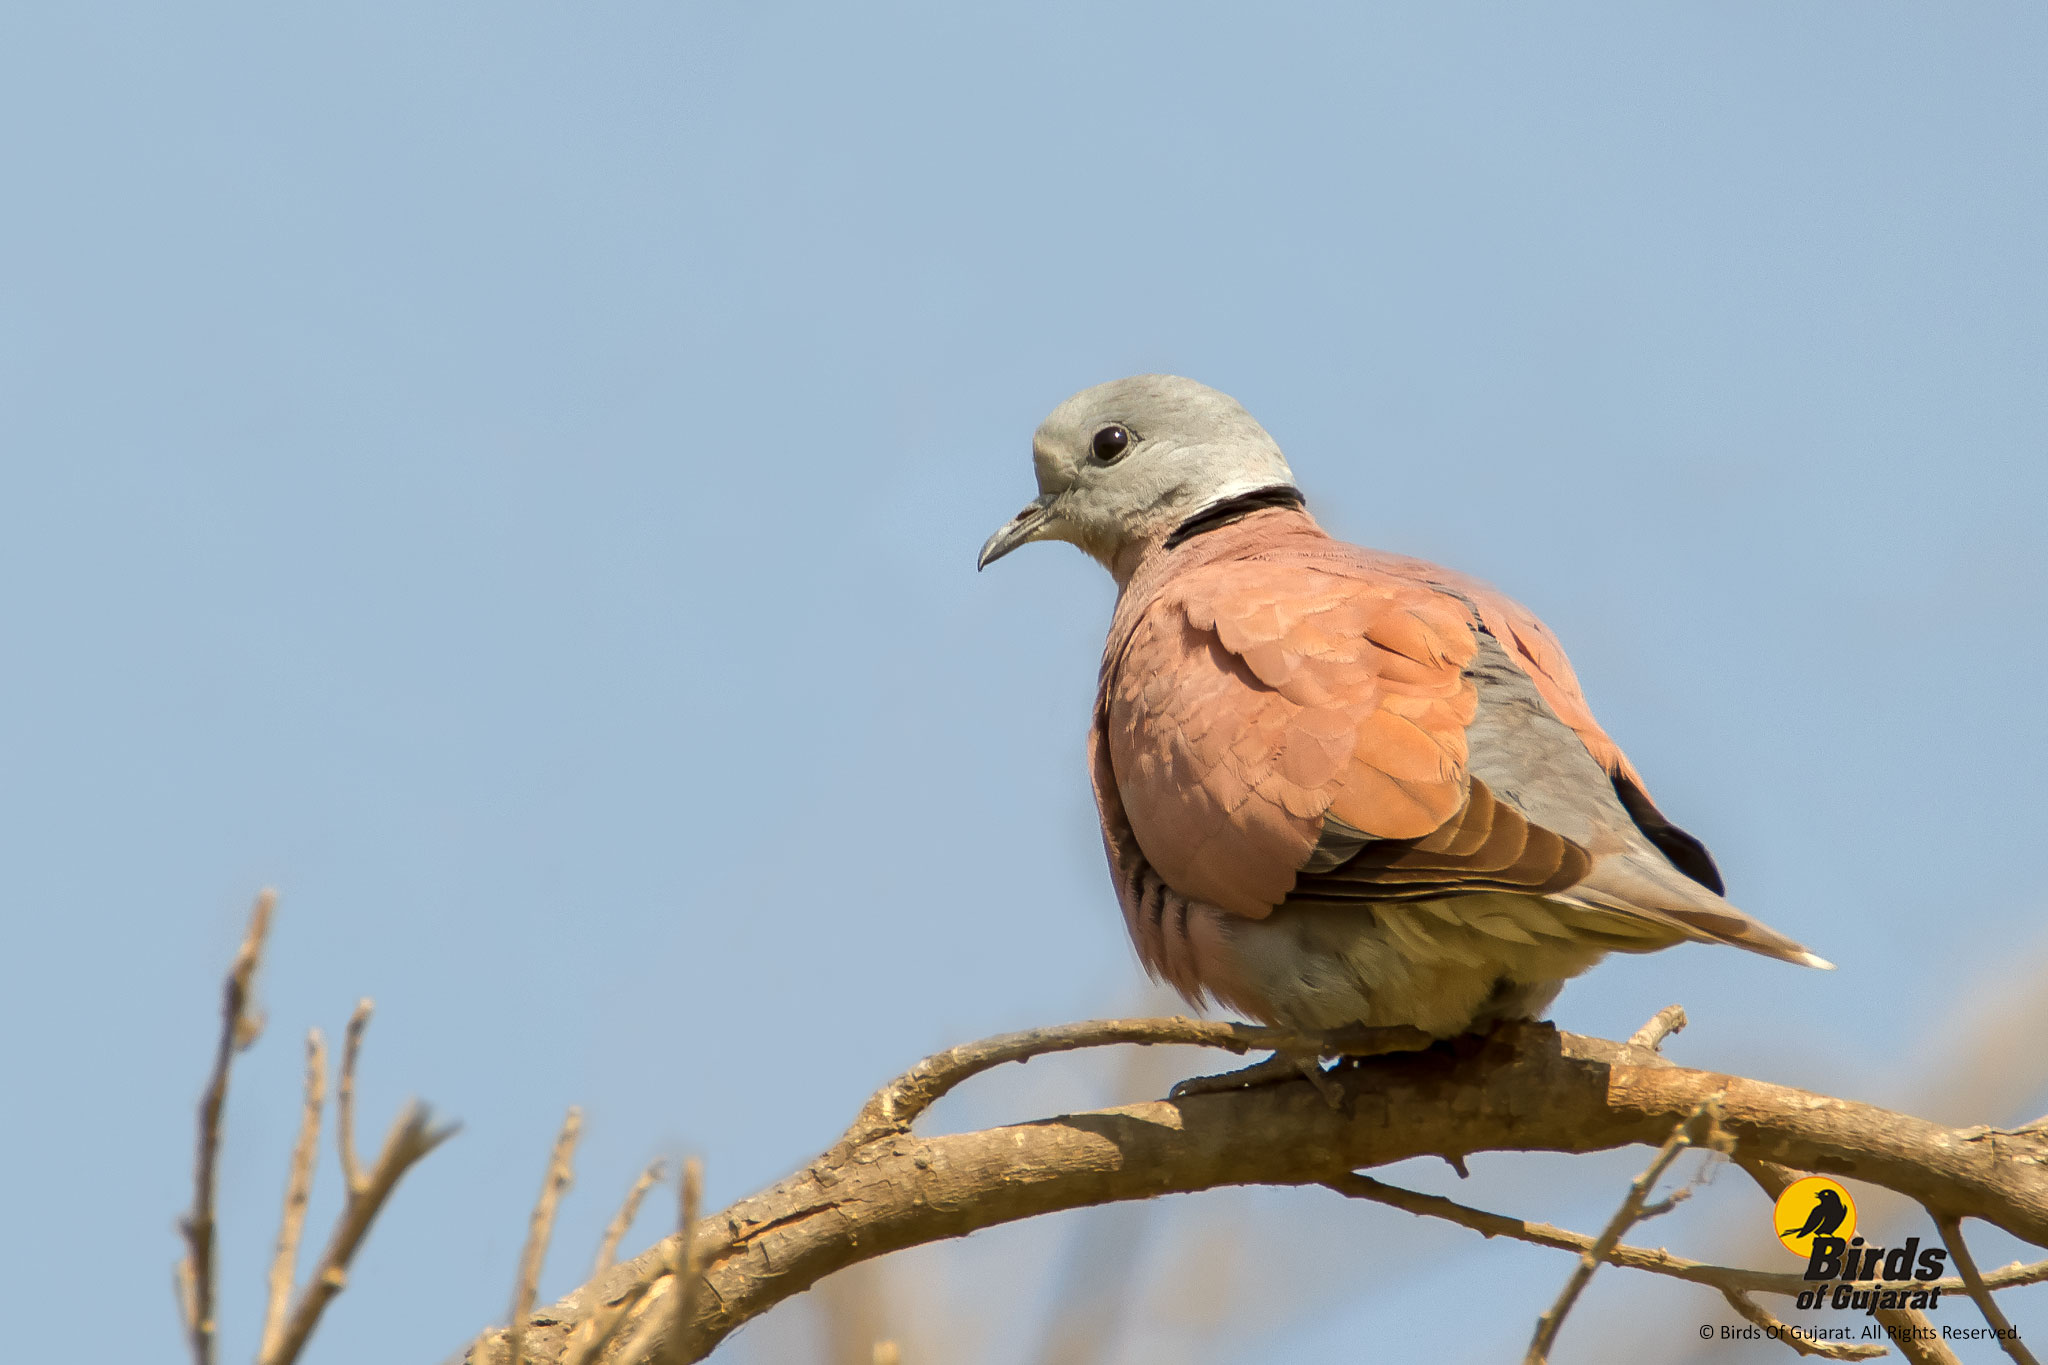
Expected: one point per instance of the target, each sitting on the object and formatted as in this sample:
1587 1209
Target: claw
1278 1068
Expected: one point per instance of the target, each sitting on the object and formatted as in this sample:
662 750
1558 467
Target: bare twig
1630 1212
615 1231
661 1326
345 1096
1657 1261
239 1028
284 1265
689 1271
1791 1336
2007 1277
540 1229
1709 1163
654 1323
1966 1266
412 1136
897 1105
587 1342
1662 1024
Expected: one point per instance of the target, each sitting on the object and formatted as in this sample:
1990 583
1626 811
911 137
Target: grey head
1123 464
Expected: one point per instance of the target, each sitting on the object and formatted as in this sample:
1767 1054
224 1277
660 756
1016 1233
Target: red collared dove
1340 787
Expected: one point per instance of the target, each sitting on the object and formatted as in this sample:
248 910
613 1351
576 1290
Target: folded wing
1367 729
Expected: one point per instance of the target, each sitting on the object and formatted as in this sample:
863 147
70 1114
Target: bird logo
1813 1207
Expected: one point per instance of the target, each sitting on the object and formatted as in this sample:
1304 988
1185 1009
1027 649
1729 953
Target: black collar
1236 509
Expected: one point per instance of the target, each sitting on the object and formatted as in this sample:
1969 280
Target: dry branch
689 1263
284 1265
1525 1087
345 1095
1701 1126
412 1136
629 1209
1662 1024
880 1188
1966 1266
1657 1261
238 1029
540 1228
1828 1350
897 1105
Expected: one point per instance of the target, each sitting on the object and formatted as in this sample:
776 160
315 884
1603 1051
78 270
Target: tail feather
1630 886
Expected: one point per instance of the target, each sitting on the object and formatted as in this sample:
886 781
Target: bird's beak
1035 522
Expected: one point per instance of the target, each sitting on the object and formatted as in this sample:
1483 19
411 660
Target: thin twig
663 1321
1791 1336
1966 1265
1709 1163
1662 1024
689 1264
412 1136
1486 1224
284 1265
1624 1217
653 1324
238 1029
587 1342
345 1096
1656 1261
896 1105
540 1229
615 1231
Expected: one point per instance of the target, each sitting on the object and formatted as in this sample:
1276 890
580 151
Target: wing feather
1296 722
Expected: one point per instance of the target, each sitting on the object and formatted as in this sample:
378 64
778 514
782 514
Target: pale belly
1449 966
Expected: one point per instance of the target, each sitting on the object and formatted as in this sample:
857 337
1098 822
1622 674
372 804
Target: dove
1340 788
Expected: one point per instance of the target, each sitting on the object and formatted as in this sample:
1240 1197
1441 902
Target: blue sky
508 476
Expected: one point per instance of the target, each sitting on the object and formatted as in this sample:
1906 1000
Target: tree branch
1657 1261
615 1231
1966 1266
1631 1212
540 1227
1806 1346
284 1265
238 1028
1525 1087
345 1095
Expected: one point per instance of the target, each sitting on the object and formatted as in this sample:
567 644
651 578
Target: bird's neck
1234 529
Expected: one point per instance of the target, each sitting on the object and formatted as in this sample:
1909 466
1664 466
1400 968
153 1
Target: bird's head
1123 464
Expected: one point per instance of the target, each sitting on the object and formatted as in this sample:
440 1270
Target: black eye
1110 444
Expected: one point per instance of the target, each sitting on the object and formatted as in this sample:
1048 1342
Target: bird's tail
1632 886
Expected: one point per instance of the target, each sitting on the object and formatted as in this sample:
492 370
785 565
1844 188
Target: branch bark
1526 1087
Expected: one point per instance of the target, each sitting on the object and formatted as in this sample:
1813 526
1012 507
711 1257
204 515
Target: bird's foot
1281 1066
1365 1040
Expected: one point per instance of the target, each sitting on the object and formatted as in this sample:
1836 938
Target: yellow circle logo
1813 1207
